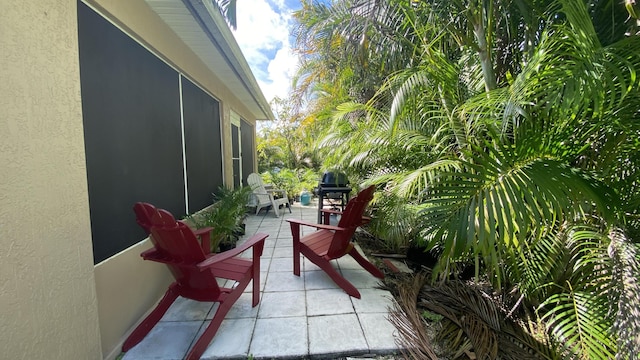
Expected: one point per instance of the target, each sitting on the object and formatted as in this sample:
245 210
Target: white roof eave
203 29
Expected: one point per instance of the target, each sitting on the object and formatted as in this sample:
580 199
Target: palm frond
501 197
228 9
480 318
626 267
578 320
414 341
542 261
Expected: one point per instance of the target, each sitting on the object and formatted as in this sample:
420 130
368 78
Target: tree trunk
481 20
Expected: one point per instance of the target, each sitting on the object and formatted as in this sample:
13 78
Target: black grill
331 179
332 186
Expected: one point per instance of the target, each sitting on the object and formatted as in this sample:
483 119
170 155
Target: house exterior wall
140 21
127 287
55 304
48 303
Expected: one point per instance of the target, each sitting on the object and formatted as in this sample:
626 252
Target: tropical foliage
228 9
225 217
511 129
287 141
465 309
293 182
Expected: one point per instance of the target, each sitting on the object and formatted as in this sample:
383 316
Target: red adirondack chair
333 242
145 211
195 271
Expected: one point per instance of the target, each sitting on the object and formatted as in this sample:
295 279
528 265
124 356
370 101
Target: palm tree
520 148
228 9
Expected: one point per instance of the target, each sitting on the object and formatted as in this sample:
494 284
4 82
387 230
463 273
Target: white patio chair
264 195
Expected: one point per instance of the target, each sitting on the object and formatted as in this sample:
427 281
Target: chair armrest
277 191
202 231
154 255
365 219
325 214
317 226
149 253
256 240
205 241
205 238
331 211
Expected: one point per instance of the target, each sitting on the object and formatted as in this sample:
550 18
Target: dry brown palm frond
474 323
467 310
473 317
412 339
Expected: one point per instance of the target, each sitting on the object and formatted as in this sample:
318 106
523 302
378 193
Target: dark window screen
236 173
131 112
235 154
246 131
203 145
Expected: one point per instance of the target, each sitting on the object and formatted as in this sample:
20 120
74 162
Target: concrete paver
298 317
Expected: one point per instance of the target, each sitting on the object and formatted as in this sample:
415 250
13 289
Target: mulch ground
400 269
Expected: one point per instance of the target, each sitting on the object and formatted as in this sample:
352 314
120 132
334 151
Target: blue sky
263 33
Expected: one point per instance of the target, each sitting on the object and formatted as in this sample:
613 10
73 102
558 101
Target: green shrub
225 216
292 181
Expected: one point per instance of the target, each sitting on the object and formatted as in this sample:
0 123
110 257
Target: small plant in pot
225 216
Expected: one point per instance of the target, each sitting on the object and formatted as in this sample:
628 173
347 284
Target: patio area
297 317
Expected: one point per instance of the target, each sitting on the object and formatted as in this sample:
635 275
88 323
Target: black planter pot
226 246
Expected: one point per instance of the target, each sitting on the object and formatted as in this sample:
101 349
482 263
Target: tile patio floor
297 317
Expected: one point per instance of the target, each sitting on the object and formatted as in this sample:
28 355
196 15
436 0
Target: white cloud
263 36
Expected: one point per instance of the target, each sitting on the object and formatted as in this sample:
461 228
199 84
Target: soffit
203 29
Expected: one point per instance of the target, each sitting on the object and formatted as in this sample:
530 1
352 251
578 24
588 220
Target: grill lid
331 179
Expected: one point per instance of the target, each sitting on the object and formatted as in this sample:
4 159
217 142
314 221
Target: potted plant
226 217
235 202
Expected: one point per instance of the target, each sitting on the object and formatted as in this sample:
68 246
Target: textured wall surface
48 304
127 289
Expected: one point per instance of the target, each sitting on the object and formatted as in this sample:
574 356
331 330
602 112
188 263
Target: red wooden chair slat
195 271
333 242
145 211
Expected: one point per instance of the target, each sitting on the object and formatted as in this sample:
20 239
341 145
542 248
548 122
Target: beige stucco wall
48 307
127 287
